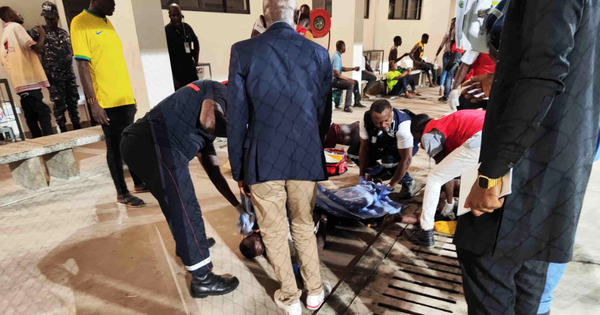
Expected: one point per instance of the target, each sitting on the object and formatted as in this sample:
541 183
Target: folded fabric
247 219
359 202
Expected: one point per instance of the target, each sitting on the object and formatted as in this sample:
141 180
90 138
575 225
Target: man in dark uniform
184 48
541 121
385 135
159 148
57 60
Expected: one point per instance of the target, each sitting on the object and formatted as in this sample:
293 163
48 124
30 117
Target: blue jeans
445 58
555 273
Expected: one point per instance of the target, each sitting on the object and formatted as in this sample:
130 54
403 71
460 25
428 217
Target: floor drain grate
418 281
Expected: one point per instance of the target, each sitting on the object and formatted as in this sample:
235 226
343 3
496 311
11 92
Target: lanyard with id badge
186 44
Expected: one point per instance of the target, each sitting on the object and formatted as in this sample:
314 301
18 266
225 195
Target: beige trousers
269 200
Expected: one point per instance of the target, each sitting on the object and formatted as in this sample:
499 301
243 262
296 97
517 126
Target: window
227 6
405 9
367 4
323 4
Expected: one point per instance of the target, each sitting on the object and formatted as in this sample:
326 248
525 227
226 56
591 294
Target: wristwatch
487 183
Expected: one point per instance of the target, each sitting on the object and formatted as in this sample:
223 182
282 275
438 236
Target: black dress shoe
420 237
210 242
211 284
359 105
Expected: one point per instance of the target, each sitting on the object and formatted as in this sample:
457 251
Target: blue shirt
336 61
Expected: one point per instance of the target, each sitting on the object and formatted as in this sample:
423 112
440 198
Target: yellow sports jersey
94 39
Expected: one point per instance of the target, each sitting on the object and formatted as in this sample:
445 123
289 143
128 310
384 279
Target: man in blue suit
280 108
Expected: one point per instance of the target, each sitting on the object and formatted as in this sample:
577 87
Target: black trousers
37 113
370 78
350 87
120 118
501 285
167 176
427 68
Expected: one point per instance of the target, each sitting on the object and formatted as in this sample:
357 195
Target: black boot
62 128
420 237
212 284
76 126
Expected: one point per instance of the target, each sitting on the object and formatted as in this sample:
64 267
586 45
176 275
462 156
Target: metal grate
418 281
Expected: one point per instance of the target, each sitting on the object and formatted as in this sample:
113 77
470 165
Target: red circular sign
320 22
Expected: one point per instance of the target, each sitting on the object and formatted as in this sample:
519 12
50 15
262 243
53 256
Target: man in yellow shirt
105 80
416 54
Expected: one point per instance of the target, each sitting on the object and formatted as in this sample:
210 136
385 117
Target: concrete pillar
29 173
154 53
62 165
357 46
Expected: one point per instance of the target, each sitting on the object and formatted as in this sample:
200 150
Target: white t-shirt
403 135
19 59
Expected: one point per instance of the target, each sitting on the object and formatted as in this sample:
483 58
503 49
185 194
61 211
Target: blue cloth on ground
360 202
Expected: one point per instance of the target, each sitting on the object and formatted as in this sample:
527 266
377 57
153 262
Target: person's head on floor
279 11
397 41
425 39
7 14
103 7
50 14
418 125
304 21
382 114
252 246
175 15
305 9
214 110
340 46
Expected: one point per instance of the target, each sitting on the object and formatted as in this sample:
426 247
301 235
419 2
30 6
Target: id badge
187 47
373 140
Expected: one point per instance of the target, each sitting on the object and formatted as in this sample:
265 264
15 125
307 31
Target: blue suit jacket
279 92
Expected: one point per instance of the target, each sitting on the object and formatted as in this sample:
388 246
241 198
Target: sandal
133 202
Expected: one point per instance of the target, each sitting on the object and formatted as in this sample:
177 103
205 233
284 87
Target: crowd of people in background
529 115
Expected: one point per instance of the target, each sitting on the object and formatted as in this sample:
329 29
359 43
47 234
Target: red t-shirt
482 65
457 127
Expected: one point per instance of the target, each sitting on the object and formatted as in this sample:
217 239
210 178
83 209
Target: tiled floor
70 249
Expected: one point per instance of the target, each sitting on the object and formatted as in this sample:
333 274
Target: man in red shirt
454 141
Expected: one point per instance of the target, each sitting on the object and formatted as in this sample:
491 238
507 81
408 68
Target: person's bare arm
402 168
39 46
461 72
210 163
346 69
363 157
449 190
412 53
97 112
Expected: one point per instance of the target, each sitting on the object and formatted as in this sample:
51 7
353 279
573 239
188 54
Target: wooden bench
28 160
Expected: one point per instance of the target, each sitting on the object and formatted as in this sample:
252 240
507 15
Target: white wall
435 21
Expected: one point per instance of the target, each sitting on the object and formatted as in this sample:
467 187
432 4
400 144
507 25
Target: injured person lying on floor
454 141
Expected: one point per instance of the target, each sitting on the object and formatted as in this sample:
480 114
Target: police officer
385 135
57 60
158 148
